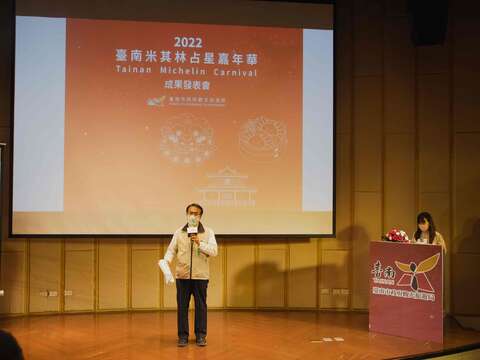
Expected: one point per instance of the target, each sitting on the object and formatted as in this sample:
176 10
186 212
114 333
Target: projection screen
124 115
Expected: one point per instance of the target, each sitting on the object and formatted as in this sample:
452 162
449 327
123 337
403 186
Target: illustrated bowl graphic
263 139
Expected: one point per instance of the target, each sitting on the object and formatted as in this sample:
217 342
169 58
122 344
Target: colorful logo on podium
415 275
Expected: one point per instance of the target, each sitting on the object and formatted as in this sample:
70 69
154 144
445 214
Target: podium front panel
406 290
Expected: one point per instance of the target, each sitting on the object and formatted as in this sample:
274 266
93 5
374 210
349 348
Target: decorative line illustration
187 140
227 188
263 139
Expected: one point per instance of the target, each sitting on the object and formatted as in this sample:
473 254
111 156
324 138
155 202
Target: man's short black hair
197 206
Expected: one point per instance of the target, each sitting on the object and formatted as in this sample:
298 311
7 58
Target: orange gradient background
117 181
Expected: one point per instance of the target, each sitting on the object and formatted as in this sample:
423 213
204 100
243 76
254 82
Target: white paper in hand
166 271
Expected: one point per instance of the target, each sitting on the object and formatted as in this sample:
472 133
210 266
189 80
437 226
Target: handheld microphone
192 230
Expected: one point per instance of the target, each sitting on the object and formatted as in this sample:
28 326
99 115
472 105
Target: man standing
192 244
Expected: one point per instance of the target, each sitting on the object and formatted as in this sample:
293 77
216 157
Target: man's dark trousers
185 289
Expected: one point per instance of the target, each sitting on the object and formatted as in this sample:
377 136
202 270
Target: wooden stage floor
232 335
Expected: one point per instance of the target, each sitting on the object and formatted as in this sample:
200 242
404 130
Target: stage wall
408 139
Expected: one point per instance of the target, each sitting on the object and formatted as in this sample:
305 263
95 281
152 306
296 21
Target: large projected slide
119 124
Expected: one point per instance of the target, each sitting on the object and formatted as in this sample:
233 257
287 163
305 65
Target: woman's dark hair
421 219
195 205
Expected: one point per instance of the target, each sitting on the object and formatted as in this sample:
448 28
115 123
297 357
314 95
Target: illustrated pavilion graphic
228 188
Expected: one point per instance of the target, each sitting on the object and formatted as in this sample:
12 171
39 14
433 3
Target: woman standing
426 232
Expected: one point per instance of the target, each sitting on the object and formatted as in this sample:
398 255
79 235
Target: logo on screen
415 275
158 101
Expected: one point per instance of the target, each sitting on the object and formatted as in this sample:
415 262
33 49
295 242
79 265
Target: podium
406 290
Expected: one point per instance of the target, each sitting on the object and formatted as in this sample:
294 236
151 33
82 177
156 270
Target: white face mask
193 220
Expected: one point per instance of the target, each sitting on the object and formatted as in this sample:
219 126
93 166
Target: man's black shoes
201 341
182 342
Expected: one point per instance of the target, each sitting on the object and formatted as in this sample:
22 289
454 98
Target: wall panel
145 279
112 274
240 275
13 282
367 227
79 279
399 182
45 275
270 280
334 284
367 137
302 274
